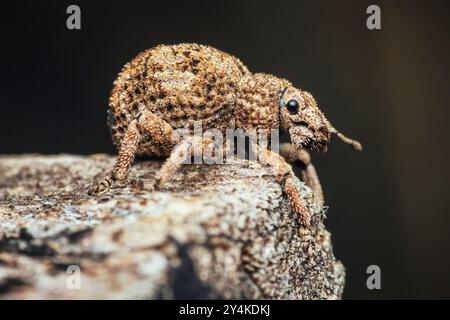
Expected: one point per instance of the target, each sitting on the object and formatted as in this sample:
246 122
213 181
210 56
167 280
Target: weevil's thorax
258 101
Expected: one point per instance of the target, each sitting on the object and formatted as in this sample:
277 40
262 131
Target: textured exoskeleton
172 86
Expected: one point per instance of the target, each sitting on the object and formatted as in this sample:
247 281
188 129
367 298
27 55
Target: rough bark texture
215 231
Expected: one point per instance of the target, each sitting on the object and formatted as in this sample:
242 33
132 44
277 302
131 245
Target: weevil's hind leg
127 151
309 173
284 175
188 147
178 156
158 130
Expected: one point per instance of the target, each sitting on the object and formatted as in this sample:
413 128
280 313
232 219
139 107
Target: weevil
171 86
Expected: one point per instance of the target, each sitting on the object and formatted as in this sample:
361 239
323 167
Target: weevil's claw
161 179
102 187
159 184
141 185
97 189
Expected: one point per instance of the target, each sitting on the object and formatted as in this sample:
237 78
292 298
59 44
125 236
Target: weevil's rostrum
172 86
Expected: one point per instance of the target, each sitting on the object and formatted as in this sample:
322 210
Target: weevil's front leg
309 173
284 175
125 158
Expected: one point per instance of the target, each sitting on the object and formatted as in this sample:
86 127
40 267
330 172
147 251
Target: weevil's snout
305 137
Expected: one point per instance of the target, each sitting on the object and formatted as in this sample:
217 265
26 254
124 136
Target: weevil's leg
148 123
127 150
161 133
172 143
309 173
284 175
188 147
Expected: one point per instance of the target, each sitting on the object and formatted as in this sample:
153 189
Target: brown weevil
172 86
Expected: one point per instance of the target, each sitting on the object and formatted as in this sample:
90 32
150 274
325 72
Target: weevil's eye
292 106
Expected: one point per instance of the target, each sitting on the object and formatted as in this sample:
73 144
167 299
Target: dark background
388 88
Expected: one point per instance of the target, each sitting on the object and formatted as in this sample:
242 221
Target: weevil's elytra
180 84
172 86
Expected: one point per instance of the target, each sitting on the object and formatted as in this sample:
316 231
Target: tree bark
215 231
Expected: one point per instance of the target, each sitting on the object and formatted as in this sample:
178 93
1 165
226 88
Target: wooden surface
215 231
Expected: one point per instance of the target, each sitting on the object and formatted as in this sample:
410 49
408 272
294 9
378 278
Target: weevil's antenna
353 143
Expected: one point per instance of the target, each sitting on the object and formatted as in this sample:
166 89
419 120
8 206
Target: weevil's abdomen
179 83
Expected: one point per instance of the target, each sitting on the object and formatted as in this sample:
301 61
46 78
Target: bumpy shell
180 84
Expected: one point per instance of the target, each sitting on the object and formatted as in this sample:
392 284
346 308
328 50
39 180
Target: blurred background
388 88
